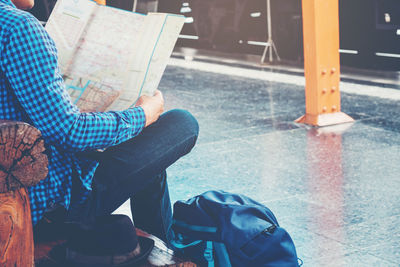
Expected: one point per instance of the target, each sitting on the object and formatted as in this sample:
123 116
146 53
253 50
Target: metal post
270 43
134 5
322 63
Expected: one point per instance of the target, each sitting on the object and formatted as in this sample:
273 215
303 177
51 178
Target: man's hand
153 106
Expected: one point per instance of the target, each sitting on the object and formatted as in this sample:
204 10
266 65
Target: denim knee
186 119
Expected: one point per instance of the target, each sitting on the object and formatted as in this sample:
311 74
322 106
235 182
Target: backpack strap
208 253
222 255
179 245
197 228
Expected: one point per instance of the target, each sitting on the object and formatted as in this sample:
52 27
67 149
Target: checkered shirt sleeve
31 66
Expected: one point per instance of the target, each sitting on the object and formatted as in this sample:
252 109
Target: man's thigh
130 167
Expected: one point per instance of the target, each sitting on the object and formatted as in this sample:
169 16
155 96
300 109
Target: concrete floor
334 189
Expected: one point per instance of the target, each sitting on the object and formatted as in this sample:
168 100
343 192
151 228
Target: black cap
108 236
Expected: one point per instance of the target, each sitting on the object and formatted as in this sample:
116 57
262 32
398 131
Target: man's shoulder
11 17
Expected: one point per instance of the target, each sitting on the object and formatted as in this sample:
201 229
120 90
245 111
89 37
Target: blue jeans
135 170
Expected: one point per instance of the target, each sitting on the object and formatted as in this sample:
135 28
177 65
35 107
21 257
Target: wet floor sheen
335 189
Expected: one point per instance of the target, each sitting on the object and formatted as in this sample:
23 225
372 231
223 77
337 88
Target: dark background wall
367 27
363 29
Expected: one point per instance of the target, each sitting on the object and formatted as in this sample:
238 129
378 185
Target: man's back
21 34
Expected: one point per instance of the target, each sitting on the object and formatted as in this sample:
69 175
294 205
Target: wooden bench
22 164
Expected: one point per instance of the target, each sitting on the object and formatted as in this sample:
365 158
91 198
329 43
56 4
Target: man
141 143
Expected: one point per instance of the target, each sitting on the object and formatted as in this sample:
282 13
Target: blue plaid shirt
32 90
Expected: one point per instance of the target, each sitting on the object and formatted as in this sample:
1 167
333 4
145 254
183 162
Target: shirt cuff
139 118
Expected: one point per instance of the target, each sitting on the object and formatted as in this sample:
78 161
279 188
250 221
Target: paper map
109 57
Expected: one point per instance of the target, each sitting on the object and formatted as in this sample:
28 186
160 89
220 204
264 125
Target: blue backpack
221 229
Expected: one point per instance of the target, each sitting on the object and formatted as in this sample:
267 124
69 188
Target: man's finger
157 93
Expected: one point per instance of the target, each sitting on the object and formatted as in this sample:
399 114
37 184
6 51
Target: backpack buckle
208 252
208 255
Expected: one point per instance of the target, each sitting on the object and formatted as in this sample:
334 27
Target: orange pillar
101 2
322 63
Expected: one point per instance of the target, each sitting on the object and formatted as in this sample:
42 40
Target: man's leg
136 169
151 209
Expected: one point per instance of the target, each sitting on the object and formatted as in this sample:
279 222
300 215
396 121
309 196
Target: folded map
109 57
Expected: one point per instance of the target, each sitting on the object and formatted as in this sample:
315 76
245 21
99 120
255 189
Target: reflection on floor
336 190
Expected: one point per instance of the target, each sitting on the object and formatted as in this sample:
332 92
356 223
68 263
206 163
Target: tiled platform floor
336 190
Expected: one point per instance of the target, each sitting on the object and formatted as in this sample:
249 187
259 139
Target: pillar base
325 119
